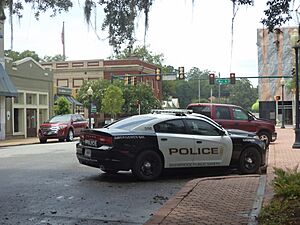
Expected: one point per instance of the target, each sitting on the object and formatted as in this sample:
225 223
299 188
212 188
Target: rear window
202 109
130 122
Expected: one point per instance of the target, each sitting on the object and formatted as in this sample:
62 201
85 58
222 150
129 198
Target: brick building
72 74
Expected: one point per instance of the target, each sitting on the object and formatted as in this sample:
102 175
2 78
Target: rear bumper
107 159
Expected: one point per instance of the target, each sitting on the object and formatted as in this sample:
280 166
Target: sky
187 35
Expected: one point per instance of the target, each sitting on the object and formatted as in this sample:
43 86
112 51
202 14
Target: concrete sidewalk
230 199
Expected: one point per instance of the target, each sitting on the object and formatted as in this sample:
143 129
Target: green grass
284 208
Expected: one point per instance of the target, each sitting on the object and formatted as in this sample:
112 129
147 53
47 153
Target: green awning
7 88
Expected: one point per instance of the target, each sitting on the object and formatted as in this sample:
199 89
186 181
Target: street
45 184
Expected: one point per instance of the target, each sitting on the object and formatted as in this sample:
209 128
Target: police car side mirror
222 132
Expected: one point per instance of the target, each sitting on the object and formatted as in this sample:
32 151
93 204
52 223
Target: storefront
34 99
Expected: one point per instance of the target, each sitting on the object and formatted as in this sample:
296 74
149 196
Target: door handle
164 139
199 142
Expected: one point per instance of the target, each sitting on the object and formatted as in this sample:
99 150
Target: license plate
87 153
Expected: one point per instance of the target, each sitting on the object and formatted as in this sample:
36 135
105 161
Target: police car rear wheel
148 166
250 161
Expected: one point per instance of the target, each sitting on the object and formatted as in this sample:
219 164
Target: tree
142 53
98 87
138 95
243 94
17 55
113 100
121 15
55 58
61 106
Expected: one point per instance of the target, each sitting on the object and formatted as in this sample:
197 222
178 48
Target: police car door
174 143
212 146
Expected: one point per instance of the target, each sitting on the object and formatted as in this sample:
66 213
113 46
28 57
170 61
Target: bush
284 208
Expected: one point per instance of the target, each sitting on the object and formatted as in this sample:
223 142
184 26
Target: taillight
105 140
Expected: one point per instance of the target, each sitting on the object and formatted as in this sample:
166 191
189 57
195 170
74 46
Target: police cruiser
146 144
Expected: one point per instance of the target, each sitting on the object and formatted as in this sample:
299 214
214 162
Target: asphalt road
45 184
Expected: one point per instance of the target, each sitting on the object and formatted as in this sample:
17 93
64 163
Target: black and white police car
146 144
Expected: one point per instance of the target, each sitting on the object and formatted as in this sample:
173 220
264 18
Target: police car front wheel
250 161
147 166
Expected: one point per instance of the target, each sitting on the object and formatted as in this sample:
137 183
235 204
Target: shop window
18 120
19 99
31 99
43 99
43 115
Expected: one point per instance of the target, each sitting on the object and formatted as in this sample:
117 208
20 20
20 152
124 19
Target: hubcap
249 162
147 168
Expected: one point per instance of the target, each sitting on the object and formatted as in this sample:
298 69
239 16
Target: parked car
146 144
62 127
235 117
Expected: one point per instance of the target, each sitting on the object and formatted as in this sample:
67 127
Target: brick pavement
230 199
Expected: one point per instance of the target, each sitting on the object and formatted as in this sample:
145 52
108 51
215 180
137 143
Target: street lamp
296 46
90 94
282 103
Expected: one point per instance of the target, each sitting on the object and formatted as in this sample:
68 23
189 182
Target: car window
222 112
202 109
170 126
79 118
200 127
60 118
239 114
130 122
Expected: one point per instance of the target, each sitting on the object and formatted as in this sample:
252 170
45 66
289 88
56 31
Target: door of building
31 119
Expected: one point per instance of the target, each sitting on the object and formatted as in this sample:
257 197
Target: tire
61 139
265 136
43 140
250 161
147 166
70 136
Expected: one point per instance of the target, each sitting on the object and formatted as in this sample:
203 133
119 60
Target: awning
73 100
70 99
7 88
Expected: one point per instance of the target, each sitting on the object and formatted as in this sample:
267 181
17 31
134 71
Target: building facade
72 74
276 60
34 100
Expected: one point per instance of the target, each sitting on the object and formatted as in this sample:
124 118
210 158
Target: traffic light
277 98
181 73
211 77
232 78
293 71
158 74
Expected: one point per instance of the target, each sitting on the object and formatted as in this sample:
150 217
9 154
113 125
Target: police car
146 144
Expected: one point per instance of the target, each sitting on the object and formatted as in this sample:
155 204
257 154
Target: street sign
222 81
93 109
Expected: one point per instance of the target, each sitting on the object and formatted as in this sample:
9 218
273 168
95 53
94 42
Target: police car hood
241 132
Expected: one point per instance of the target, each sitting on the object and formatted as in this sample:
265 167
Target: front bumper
107 159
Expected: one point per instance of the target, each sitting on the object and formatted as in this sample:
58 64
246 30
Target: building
34 100
72 74
276 60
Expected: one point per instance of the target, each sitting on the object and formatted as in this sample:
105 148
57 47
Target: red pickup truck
235 117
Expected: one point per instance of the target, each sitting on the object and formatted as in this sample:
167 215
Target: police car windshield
130 122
